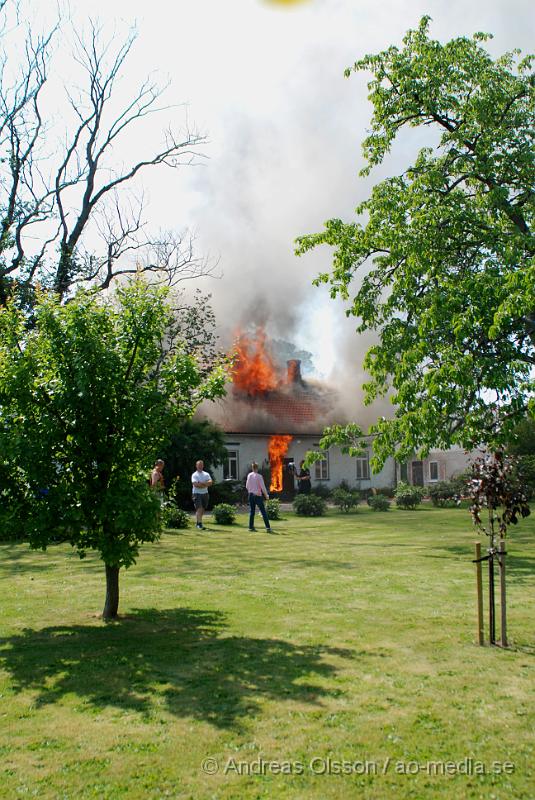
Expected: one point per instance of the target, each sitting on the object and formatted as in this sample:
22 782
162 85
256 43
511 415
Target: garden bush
174 517
273 509
309 505
321 490
378 502
444 494
224 514
461 483
229 492
408 497
386 491
346 501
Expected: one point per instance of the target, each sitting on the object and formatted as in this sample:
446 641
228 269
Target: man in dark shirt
303 479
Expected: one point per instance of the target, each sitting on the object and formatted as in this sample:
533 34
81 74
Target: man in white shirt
200 480
257 491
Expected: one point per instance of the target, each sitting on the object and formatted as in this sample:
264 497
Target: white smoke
285 128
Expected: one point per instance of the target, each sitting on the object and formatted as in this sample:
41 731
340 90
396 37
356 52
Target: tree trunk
112 593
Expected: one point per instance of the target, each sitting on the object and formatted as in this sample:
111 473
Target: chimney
294 372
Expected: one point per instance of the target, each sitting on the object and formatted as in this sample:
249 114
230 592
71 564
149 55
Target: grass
349 638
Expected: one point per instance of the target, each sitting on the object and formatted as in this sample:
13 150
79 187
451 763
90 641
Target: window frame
234 459
359 460
321 468
431 479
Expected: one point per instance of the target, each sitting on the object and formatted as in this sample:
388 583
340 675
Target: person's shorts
200 501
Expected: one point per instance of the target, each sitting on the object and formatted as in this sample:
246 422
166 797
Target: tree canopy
440 259
522 445
522 441
88 394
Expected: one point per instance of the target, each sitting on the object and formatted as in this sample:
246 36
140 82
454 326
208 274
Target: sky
264 83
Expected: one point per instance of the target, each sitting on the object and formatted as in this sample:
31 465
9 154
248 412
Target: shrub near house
224 514
346 500
322 490
378 502
228 492
408 497
444 493
309 505
174 517
273 509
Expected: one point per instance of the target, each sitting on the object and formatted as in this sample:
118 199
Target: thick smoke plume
287 158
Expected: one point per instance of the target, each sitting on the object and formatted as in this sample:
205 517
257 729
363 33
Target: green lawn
349 638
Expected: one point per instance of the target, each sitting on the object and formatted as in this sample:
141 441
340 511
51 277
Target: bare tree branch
87 191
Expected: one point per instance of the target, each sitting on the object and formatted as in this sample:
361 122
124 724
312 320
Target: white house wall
254 447
450 463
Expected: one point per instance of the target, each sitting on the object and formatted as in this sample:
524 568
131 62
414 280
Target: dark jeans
254 501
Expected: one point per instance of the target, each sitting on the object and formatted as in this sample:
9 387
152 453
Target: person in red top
257 491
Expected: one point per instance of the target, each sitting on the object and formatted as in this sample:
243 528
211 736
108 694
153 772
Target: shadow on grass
17 557
179 659
519 568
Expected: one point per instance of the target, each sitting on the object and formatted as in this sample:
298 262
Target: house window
403 472
231 466
321 469
433 470
363 468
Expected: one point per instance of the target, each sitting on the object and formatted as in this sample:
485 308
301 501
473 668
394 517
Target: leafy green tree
88 394
192 440
522 445
522 440
440 260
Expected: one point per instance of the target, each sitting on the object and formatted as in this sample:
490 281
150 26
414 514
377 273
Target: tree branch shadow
519 568
178 658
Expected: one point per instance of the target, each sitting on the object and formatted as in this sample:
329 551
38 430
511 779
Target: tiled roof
305 407
299 409
292 409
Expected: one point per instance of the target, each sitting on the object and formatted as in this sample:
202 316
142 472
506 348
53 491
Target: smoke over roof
285 157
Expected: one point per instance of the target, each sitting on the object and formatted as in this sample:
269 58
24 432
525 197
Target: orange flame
254 369
277 449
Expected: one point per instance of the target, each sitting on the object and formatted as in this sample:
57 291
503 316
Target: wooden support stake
479 584
492 608
503 638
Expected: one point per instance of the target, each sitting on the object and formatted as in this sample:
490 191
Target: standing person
257 491
303 479
156 477
200 480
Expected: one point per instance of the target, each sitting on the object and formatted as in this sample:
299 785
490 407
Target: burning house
274 415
